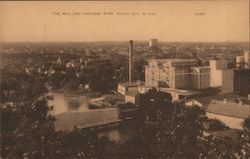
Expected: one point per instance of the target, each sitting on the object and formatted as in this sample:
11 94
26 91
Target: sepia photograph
166 79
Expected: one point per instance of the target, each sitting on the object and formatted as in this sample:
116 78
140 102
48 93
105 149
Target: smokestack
131 61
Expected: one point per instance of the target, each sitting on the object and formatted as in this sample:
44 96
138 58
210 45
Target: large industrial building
153 43
153 46
217 68
176 73
247 59
186 79
200 77
241 81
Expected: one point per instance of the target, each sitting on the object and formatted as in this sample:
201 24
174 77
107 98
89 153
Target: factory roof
181 60
242 69
171 60
158 61
181 91
229 109
200 67
175 61
145 86
84 119
126 84
230 97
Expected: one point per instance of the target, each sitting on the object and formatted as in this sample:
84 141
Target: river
65 105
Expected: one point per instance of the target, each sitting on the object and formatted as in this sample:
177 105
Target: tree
216 125
80 144
33 128
127 110
101 79
152 104
246 123
225 147
10 119
167 130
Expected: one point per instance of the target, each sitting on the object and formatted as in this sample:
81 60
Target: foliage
228 147
27 126
101 79
71 86
127 110
166 129
246 123
80 144
216 125
152 104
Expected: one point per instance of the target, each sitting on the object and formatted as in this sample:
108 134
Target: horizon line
183 41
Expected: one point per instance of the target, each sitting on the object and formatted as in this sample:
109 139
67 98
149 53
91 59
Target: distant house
230 113
70 64
29 70
192 103
59 61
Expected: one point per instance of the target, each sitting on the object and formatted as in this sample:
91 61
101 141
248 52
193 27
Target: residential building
192 103
59 61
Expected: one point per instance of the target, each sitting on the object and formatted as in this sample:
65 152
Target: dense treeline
73 72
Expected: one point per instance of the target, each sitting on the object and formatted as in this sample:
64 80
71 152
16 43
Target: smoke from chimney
131 61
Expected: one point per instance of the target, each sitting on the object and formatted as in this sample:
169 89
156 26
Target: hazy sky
174 21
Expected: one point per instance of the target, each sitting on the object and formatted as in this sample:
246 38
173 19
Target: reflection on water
62 103
112 135
119 134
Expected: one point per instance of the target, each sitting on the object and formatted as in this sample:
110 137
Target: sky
190 21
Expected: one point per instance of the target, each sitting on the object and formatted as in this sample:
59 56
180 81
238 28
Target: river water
66 103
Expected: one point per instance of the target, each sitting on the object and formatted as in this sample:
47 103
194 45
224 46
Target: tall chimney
131 65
